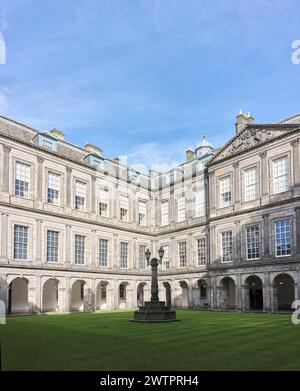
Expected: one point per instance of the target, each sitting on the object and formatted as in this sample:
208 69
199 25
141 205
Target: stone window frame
61 184
129 254
31 188
61 240
220 245
271 177
292 221
244 241
196 238
259 190
230 175
98 236
31 250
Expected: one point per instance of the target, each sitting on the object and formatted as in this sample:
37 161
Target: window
280 175
227 248
165 213
79 249
104 202
253 242
134 176
103 291
142 213
251 184
283 238
80 194
201 251
166 260
52 246
181 209
124 208
53 188
200 203
103 252
225 191
47 144
22 180
182 254
142 257
20 242
124 255
122 292
172 176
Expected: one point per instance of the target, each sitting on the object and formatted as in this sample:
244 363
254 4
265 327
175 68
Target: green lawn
108 341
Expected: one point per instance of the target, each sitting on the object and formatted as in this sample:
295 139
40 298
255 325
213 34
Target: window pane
166 260
124 255
182 254
142 257
253 242
280 175
251 184
164 213
22 180
227 246
103 251
181 209
225 191
53 188
80 194
52 246
283 238
201 249
20 242
79 249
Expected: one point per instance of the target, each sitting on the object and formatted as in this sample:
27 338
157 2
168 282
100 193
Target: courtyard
105 341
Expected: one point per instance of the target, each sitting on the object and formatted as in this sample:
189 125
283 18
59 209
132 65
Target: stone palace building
75 224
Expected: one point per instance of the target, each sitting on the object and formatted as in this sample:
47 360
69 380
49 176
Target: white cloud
155 156
3 102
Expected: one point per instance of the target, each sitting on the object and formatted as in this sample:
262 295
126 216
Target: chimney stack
58 134
190 154
242 120
93 149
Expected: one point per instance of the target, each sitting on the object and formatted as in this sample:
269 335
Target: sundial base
155 312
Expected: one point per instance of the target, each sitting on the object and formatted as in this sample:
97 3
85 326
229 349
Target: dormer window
172 176
45 140
134 176
95 161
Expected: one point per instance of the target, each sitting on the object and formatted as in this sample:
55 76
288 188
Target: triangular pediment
253 136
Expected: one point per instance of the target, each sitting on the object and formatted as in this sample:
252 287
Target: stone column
190 251
296 161
236 185
94 258
67 302
239 303
115 260
135 261
213 246
40 179
264 173
297 249
172 250
38 235
69 188
4 228
93 197
68 248
238 242
266 236
5 169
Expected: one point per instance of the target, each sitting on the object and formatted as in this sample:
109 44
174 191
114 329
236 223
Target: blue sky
145 78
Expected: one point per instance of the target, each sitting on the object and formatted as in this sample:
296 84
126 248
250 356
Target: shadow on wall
3 298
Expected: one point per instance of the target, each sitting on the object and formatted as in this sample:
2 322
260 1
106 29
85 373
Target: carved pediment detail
249 138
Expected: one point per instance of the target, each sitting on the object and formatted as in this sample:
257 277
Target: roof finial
203 135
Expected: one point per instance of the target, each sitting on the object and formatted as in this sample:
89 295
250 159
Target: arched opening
184 294
18 296
123 295
140 294
102 297
227 294
77 296
203 293
255 293
50 296
284 291
168 293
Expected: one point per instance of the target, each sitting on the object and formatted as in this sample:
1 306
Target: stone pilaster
190 251
115 255
297 249
135 260
5 169
93 196
236 185
296 161
266 237
38 236
94 245
239 304
264 174
68 248
69 188
40 181
238 242
4 229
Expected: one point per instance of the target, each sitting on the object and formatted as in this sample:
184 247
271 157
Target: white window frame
281 170
164 213
103 252
281 235
181 209
52 246
201 251
53 188
22 179
79 249
142 256
225 191
124 255
182 254
20 244
80 195
251 184
253 238
226 243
